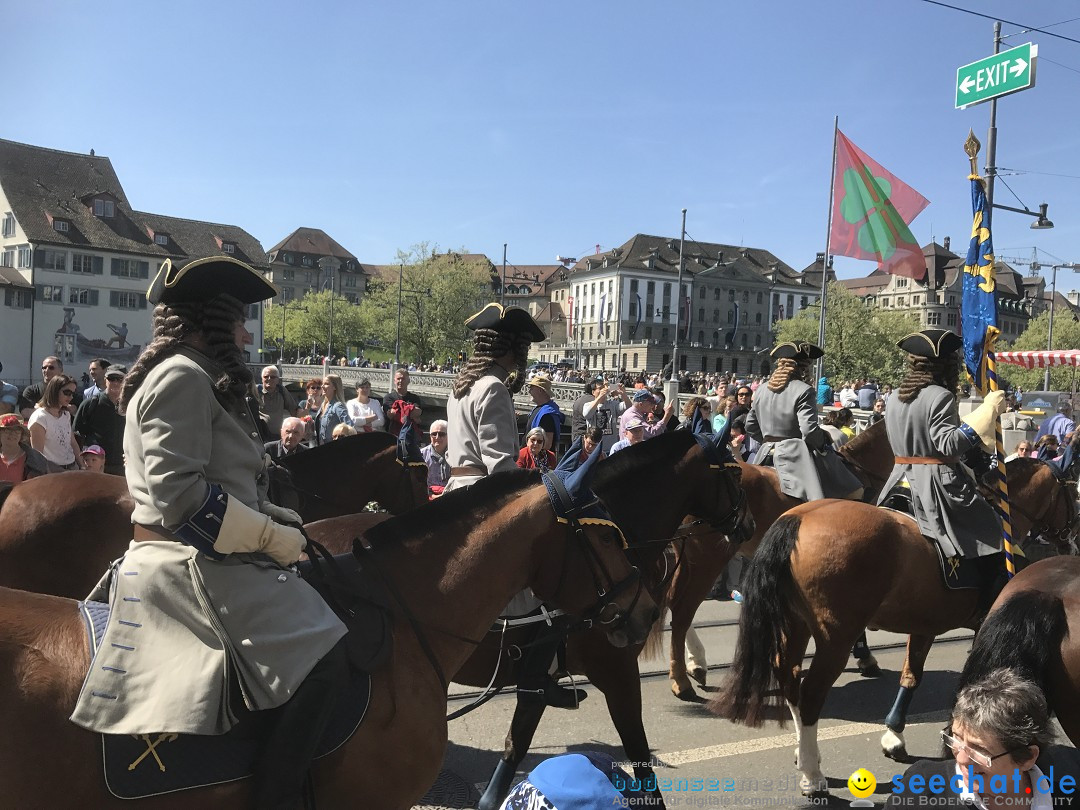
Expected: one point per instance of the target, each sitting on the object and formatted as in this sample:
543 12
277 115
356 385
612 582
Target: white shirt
57 447
1039 800
360 411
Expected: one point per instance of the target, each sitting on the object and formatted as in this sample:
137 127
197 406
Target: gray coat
807 467
482 428
947 506
185 627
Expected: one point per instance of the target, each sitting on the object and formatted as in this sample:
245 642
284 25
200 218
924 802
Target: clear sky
551 126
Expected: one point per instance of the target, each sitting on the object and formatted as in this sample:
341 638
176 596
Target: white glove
279 514
245 530
983 419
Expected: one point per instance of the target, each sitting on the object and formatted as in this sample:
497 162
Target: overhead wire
1001 19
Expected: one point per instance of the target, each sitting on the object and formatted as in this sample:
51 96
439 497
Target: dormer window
288 258
104 208
61 225
307 261
9 224
161 239
228 247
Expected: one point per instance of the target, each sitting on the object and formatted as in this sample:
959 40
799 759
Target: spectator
578 423
400 394
546 413
98 422
644 402
743 399
834 423
601 412
824 392
18 460
879 411
342 429
867 394
97 375
365 412
697 416
9 395
848 398
1023 450
719 414
275 401
576 782
743 444
535 455
434 455
1047 448
309 407
50 425
94 458
1060 425
332 411
291 441
633 433
31 395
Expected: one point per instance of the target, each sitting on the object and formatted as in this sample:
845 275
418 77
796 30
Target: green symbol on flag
866 200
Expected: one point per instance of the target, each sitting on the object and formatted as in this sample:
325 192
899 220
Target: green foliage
439 291
860 341
1066 336
307 325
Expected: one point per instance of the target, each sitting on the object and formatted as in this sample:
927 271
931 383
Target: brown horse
58 533
826 570
1034 628
459 561
701 560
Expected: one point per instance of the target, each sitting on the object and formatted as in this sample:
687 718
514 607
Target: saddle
144 765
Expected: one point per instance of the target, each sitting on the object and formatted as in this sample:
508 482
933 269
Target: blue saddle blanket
153 764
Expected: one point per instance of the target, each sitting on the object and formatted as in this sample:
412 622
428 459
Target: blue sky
551 126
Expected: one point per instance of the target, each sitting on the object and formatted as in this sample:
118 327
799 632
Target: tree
440 291
307 325
1066 336
860 341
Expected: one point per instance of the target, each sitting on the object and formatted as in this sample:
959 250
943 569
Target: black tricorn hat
201 279
796 351
506 319
931 343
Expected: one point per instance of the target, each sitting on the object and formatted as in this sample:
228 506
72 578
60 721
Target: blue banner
978 307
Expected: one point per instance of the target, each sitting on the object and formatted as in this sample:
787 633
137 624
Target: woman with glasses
999 739
741 404
50 425
697 416
366 413
533 456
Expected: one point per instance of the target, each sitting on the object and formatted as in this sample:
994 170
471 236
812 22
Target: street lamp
328 264
1050 331
1041 223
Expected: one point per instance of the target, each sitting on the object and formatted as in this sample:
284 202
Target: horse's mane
662 449
453 506
868 436
356 449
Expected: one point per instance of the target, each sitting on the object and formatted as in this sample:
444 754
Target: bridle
1064 536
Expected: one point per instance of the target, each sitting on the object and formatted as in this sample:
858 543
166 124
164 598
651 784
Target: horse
460 559
59 532
1034 628
672 463
700 562
828 569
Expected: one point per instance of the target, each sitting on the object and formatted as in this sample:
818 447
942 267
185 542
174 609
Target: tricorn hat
796 351
202 279
506 319
931 343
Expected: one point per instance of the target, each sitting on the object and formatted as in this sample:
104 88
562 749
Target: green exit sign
999 75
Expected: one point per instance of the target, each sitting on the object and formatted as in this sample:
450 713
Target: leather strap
774 439
922 460
459 472
141 533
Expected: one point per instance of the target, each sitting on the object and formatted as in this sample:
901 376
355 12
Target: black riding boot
287 754
534 681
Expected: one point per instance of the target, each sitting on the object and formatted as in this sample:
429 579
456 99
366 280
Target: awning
1043 359
10 277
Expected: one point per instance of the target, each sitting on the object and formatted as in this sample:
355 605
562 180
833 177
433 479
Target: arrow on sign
1018 67
966 85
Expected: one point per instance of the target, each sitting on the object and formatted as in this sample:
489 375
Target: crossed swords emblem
151 749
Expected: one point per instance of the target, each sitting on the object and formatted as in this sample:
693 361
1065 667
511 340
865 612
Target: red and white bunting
1043 359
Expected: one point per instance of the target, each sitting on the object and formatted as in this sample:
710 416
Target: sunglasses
47 368
744 393
67 393
435 433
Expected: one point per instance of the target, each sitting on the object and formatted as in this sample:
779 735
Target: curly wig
924 371
489 345
786 371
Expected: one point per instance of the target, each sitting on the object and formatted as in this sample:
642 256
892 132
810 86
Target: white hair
288 422
440 424
274 369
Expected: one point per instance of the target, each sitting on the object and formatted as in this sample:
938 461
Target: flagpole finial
971 149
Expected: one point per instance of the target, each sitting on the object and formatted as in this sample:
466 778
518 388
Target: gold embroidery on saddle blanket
151 749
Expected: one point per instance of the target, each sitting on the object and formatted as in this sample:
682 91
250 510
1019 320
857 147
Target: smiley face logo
861 783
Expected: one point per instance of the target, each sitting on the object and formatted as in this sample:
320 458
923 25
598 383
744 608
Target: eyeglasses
68 393
270 376
436 433
47 368
977 756
744 393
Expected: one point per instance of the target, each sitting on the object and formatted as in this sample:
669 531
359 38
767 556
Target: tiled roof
873 283
10 277
314 242
43 185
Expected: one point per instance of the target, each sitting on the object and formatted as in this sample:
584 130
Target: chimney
947 242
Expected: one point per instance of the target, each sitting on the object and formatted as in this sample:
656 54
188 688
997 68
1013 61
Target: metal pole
330 336
1050 331
991 141
828 247
678 303
283 330
502 287
397 340
618 330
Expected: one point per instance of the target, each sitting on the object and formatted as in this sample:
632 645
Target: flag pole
828 247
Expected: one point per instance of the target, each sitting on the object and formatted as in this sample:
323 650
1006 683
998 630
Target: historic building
309 260
620 308
76 260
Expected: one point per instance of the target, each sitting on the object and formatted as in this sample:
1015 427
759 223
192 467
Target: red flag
871 212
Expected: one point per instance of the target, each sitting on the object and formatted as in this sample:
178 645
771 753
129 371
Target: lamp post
678 305
1041 223
328 264
1050 331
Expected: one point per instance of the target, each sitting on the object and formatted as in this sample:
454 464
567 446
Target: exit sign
999 75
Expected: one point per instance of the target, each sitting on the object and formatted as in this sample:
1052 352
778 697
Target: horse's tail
765 622
1024 635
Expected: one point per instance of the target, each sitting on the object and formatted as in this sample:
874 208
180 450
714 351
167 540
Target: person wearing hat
643 404
634 433
483 440
784 419
546 415
99 422
94 458
928 438
18 460
213 587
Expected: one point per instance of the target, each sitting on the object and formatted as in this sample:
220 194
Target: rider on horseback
929 438
784 419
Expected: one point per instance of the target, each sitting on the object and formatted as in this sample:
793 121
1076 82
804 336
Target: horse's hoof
868 667
699 674
683 693
893 745
814 787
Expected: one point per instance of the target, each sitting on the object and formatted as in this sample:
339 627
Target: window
104 208
161 238
950 319
633 309
635 359
251 312
933 318
9 224
731 296
701 314
7 258
60 225
664 336
592 310
701 339
901 282
759 298
590 333
742 317
716 294
287 294
734 365
52 294
746 297
701 292
650 288
289 275
744 340
24 256
633 289
228 247
757 319
952 300
288 258
83 295
306 261
731 316
18 299
802 302
53 259
915 299
127 300
129 268
350 280
719 364
716 316
901 301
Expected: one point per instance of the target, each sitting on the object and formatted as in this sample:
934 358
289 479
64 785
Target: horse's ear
568 463
579 481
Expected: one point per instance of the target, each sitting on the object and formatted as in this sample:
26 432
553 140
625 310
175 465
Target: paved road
690 743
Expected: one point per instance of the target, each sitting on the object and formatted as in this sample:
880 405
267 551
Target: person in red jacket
533 456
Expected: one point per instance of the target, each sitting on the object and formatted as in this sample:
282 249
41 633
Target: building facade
298 265
76 261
